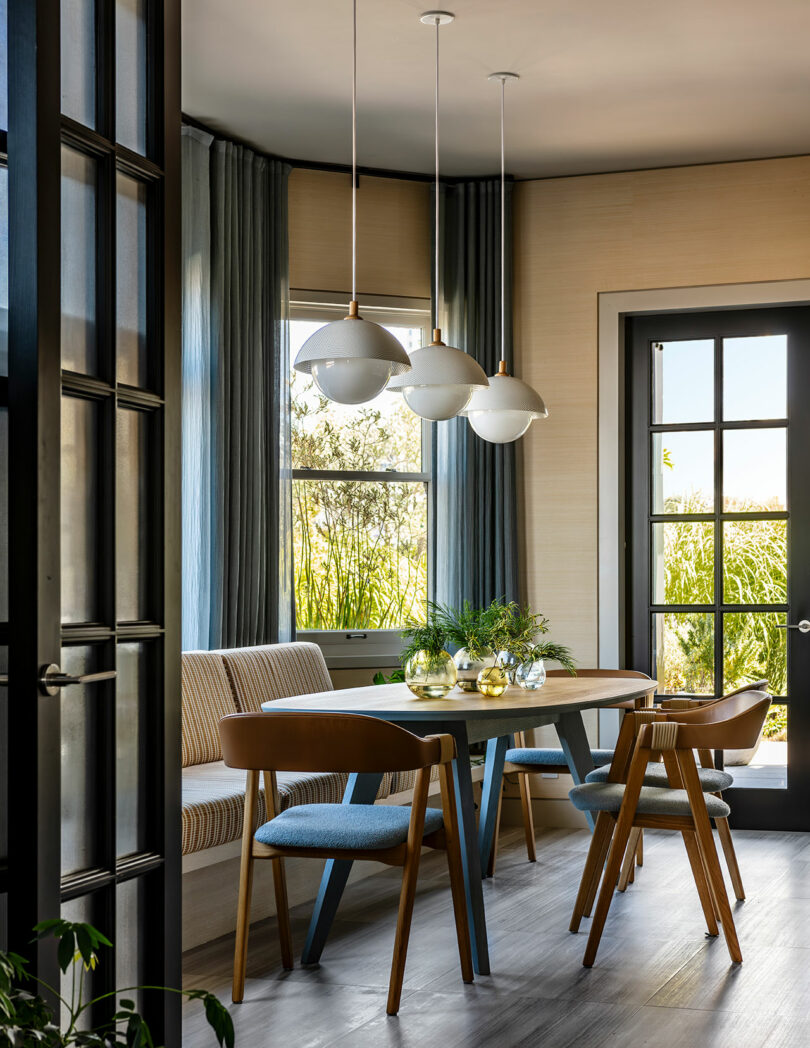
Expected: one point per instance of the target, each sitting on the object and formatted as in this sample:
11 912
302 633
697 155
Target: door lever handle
802 627
51 679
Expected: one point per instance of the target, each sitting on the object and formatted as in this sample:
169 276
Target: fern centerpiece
469 629
430 672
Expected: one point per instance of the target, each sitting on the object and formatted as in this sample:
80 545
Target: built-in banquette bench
239 680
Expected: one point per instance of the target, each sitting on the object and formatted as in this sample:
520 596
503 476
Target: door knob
802 627
51 679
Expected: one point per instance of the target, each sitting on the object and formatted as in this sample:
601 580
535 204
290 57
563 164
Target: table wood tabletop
558 695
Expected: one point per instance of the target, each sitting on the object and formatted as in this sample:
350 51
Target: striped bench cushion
214 800
275 671
206 698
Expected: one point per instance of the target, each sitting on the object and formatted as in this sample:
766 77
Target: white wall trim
613 307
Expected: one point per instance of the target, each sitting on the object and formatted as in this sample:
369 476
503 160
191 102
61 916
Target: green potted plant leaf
531 673
430 672
26 1018
469 629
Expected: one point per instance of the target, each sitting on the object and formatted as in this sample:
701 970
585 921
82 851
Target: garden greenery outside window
360 504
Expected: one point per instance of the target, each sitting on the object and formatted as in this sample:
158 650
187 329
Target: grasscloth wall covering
577 237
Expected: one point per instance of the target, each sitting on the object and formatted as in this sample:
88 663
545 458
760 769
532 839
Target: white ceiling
604 86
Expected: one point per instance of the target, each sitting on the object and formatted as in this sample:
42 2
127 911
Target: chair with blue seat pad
395 836
624 809
527 760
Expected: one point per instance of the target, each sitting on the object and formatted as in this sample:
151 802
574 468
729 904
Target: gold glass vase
492 681
469 666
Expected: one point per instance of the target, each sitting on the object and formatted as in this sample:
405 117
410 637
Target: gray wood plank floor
658 980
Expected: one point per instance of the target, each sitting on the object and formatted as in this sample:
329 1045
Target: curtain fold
237 497
475 509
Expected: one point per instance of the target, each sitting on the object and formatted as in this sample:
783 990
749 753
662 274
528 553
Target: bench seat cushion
206 698
342 827
214 800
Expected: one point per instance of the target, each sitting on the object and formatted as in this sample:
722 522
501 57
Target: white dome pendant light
503 412
442 378
351 360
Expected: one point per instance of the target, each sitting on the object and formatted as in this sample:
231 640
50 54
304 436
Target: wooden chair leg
724 833
612 868
493 855
528 818
640 849
708 851
245 888
407 893
701 881
628 866
283 914
600 842
456 871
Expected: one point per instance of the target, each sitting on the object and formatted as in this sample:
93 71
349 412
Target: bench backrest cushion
207 698
275 671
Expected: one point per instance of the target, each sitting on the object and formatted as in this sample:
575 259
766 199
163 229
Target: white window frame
350 649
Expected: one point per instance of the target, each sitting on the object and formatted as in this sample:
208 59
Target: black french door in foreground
91 797
719 529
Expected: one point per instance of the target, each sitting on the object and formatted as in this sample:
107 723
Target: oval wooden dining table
470 718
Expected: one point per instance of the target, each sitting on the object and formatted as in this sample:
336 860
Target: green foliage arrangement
468 627
395 677
26 1019
516 629
548 651
429 637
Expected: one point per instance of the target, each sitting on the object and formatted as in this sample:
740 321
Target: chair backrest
755 685
600 673
336 742
732 723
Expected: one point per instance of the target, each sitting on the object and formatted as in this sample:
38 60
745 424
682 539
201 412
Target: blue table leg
360 789
470 856
490 797
574 741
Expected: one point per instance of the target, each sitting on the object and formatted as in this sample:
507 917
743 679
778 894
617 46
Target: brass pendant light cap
353 314
437 337
502 372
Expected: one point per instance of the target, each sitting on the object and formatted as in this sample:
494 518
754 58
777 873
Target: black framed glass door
92 791
719 529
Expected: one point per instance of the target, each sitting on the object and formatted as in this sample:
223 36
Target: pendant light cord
503 228
354 150
436 163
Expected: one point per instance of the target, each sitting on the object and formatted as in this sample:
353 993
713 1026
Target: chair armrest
448 748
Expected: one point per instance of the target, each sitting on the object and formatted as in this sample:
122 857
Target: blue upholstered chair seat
653 800
343 826
711 779
555 758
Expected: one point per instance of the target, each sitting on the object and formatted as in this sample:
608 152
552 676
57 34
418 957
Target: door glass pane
766 766
683 472
79 509
130 341
3 269
131 757
683 562
754 470
132 512
85 909
3 758
755 377
755 561
754 648
3 514
79 60
80 736
4 65
130 73
683 381
683 652
360 554
78 262
130 938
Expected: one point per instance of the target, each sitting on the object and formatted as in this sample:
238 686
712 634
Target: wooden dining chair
393 835
712 780
527 760
681 805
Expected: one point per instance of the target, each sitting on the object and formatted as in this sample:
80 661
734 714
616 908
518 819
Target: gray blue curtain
237 497
475 535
